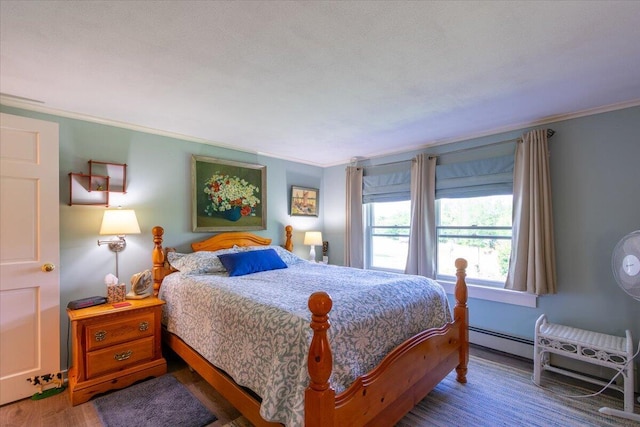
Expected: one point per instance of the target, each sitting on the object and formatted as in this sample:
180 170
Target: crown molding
510 128
36 106
12 101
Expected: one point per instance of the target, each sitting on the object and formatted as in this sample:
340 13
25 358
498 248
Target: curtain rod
462 150
550 133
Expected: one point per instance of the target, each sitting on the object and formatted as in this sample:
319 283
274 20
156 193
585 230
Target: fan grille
628 245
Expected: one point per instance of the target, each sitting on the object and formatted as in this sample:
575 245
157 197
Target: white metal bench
592 347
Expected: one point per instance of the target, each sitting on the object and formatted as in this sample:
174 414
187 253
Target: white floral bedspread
256 327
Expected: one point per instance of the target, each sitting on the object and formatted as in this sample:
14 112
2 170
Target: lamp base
312 254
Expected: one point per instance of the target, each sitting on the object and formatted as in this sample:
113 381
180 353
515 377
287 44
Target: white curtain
354 236
532 266
422 235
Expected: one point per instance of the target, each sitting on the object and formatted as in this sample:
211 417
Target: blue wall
159 189
595 168
595 175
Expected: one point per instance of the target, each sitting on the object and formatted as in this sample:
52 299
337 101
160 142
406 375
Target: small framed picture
304 201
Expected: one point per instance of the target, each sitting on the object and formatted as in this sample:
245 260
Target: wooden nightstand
114 347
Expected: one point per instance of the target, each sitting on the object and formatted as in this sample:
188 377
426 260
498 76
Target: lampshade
313 238
119 222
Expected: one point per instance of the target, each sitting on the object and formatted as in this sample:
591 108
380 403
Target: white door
29 241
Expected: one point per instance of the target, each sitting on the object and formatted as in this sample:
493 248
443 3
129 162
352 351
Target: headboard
161 267
229 240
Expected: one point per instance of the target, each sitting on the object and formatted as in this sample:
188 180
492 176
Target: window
473 191
387 235
478 229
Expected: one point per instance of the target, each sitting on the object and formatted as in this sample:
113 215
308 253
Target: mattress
256 327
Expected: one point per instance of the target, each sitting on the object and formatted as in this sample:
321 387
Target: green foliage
485 211
392 214
491 211
504 252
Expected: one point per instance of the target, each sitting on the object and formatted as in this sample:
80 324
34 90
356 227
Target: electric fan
141 285
625 263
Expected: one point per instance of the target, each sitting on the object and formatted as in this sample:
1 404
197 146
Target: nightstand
113 347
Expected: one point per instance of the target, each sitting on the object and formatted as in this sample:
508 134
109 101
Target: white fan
625 263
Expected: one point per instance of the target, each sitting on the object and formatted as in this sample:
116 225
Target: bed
360 388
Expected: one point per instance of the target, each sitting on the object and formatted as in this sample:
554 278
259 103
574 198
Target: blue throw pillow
242 263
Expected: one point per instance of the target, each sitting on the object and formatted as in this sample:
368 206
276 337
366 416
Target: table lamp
313 239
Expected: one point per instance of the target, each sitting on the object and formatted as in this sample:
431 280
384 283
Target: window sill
488 293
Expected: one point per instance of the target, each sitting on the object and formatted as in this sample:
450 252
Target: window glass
387 235
478 229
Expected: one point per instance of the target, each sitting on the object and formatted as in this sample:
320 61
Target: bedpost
319 397
288 245
157 257
461 314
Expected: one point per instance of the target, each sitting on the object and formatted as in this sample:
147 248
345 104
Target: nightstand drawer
118 357
121 329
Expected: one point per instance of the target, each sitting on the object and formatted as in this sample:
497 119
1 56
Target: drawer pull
100 335
123 356
143 326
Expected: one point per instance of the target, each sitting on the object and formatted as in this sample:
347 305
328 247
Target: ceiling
321 82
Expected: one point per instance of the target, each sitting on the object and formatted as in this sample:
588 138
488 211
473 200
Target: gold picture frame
227 195
304 201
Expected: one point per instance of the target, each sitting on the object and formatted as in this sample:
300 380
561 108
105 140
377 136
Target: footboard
399 382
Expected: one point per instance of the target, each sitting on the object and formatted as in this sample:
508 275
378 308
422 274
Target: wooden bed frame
381 397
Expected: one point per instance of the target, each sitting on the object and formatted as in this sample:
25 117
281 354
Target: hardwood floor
57 410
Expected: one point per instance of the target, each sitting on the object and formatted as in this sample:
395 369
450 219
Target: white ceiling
320 81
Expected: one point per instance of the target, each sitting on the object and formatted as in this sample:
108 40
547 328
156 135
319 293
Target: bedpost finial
157 235
157 231
320 303
461 264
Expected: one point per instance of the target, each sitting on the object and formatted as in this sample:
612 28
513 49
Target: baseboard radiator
501 342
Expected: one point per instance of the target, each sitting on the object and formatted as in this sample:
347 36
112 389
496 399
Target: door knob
48 267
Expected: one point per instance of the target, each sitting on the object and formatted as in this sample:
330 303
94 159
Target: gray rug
162 401
497 395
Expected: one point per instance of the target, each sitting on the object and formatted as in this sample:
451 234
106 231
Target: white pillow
201 262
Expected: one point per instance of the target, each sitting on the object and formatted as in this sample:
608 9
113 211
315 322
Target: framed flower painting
227 195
